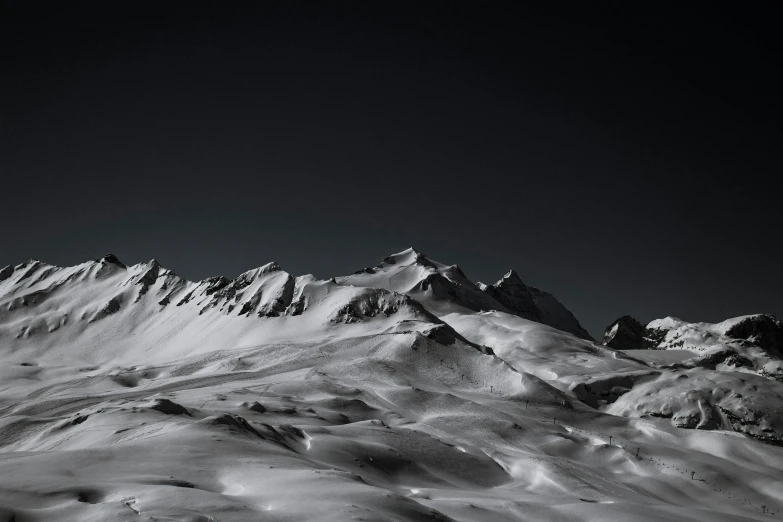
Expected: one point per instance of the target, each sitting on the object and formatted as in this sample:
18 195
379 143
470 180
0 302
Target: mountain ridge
415 273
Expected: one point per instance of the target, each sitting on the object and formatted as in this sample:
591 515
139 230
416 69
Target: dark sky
623 158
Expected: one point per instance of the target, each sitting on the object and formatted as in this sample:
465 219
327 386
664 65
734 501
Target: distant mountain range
751 343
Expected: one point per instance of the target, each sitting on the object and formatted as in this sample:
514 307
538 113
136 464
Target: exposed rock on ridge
626 333
534 304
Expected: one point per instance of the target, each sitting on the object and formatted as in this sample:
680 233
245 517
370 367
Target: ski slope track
402 392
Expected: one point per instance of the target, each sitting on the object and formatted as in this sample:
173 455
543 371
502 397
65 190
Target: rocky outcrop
6 272
112 259
764 331
368 305
626 333
148 278
110 308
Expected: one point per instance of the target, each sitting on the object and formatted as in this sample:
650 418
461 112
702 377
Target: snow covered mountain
751 343
404 391
446 289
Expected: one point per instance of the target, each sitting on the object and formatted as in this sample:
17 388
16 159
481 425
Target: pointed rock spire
626 333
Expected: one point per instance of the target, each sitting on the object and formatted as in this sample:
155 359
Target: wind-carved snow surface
402 392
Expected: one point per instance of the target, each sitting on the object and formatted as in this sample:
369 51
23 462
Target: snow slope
402 392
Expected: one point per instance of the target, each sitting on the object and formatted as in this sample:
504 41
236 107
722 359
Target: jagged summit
512 275
114 260
626 333
534 304
510 280
30 262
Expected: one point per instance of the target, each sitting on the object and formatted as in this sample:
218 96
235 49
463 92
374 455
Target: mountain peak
114 260
409 256
512 277
625 333
272 266
534 304
511 282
